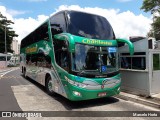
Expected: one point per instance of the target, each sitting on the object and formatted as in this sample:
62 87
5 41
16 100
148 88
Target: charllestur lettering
89 41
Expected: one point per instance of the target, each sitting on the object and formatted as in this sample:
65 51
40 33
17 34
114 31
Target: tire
49 85
24 73
22 70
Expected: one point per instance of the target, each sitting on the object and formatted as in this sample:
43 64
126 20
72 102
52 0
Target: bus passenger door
62 69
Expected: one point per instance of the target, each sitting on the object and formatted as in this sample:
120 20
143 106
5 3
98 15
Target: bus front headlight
78 84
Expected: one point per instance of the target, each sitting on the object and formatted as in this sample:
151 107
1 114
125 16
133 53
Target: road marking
31 98
4 70
2 74
10 77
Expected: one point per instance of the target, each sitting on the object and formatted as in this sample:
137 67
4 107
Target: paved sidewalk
153 101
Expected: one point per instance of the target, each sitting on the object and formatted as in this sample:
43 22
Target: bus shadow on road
70 105
75 105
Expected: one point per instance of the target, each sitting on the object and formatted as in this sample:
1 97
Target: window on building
156 61
126 62
137 62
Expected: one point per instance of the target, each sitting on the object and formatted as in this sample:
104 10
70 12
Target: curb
152 102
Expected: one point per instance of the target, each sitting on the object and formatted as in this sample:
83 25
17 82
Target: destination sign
98 42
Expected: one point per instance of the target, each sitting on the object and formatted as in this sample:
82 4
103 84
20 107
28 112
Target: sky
125 16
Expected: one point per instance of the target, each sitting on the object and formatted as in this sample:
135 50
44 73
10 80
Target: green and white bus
74 54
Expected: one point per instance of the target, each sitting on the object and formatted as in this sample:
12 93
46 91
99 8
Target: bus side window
40 60
58 24
28 59
41 33
43 61
61 54
44 32
48 61
64 60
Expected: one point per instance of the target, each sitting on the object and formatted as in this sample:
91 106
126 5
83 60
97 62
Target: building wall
15 46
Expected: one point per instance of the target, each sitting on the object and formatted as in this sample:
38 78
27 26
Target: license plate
102 94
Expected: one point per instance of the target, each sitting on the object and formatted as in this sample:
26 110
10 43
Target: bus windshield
94 59
89 26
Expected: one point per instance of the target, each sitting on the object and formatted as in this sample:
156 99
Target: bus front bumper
76 94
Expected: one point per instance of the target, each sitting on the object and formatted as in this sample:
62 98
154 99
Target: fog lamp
76 93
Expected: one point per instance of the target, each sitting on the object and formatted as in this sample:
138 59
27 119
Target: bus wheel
24 72
49 86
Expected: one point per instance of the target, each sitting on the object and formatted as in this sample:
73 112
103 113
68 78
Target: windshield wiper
81 72
86 71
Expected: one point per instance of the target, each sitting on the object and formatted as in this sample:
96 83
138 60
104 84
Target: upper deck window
41 33
89 26
58 23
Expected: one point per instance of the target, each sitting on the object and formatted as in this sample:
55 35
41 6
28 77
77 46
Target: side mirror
68 38
56 28
130 45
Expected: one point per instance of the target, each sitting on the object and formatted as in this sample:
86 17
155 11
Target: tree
154 7
156 28
151 5
5 26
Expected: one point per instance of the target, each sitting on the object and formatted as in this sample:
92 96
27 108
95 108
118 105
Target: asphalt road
7 100
19 94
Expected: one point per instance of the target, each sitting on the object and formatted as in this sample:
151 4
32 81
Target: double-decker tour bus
74 54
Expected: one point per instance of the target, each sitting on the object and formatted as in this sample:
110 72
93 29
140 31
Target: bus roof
62 11
82 11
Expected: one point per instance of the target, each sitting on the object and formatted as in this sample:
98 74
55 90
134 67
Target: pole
5 45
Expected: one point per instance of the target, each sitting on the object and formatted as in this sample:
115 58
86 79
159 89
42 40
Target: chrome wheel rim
50 86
